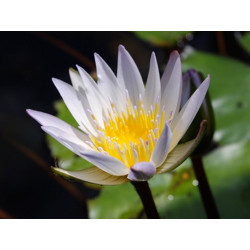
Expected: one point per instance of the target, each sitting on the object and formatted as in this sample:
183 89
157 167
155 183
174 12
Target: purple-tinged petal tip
174 52
141 171
121 46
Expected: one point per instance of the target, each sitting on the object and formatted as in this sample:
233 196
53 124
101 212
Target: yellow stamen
130 136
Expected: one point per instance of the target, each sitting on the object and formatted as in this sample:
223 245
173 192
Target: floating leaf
162 38
176 194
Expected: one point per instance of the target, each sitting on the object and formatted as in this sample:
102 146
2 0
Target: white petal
75 104
162 146
63 137
103 161
106 163
98 103
141 171
171 83
76 79
52 121
93 175
49 120
108 84
129 76
153 86
176 157
182 151
188 112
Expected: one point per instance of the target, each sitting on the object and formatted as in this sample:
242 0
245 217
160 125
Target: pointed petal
52 121
153 86
129 76
76 79
188 112
162 146
92 175
141 171
171 84
74 102
108 84
103 161
97 102
182 151
62 136
78 85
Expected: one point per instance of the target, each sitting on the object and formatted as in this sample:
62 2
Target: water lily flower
129 132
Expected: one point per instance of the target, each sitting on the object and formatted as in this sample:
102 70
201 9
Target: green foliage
175 194
245 41
229 91
161 38
126 203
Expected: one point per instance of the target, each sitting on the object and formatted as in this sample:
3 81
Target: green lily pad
122 201
229 91
176 194
125 202
162 38
228 170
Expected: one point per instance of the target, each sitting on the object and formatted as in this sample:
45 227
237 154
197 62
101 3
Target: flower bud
191 81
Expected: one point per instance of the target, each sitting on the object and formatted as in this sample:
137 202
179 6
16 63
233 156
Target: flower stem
146 197
205 191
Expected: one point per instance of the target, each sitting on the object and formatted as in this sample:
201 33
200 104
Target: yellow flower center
130 137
